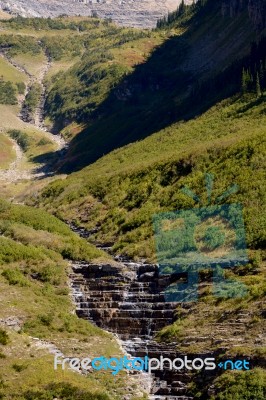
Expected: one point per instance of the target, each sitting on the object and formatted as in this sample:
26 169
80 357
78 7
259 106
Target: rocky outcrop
136 13
127 300
114 295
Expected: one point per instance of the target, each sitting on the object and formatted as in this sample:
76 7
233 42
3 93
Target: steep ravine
37 119
16 171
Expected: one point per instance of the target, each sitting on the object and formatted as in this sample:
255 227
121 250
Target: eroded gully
16 172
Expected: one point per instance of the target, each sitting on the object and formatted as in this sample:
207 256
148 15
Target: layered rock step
127 299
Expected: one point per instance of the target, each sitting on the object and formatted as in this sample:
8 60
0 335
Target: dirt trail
15 172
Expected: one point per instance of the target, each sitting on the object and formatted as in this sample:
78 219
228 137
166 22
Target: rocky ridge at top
135 13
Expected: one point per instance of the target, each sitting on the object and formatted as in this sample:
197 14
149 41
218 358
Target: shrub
21 138
3 337
15 277
16 44
7 93
33 97
43 142
46 319
19 367
248 385
21 87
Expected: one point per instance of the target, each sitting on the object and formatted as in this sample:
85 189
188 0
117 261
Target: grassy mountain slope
181 78
65 41
7 153
28 43
121 192
36 315
37 141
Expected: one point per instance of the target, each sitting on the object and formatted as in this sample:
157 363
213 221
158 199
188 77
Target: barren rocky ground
137 13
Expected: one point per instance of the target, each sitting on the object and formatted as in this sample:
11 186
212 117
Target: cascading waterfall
125 298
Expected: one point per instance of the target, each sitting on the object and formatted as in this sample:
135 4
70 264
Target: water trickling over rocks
126 298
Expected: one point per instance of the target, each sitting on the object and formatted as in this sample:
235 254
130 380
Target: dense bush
248 385
58 47
16 44
76 94
3 337
21 87
21 138
15 277
33 97
7 93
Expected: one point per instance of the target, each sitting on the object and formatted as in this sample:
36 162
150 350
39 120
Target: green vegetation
95 81
7 93
76 94
15 44
248 385
68 46
3 337
10 73
33 97
21 87
11 84
64 392
7 153
175 83
43 142
124 189
33 283
49 24
21 138
169 121
34 229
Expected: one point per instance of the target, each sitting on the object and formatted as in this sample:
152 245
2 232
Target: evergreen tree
182 7
244 83
258 87
261 73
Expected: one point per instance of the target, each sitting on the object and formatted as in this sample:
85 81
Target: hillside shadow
165 89
47 163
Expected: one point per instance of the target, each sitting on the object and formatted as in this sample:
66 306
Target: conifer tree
244 83
258 87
